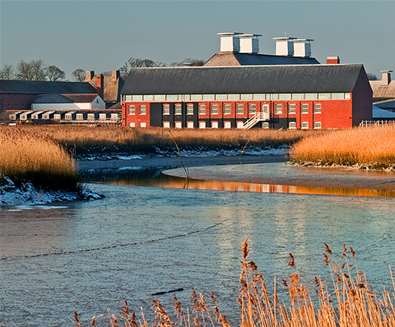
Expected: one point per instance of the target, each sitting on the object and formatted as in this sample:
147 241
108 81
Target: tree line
36 70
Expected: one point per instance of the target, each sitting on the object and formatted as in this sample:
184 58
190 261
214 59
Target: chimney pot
386 76
302 47
249 43
284 45
333 60
229 42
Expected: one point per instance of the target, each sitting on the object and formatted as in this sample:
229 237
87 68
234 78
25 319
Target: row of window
237 97
227 109
228 124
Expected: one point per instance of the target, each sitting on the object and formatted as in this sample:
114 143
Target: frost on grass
12 194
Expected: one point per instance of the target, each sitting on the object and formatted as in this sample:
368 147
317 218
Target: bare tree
32 71
139 62
189 62
79 74
7 72
54 73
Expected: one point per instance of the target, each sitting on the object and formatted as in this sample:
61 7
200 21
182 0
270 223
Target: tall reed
85 139
346 301
26 156
372 146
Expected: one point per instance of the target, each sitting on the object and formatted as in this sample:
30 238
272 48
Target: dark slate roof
40 87
65 98
260 59
243 79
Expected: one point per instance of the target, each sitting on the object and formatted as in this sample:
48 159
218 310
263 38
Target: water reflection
165 181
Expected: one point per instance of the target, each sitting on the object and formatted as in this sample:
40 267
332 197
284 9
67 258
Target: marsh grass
372 146
347 300
26 156
105 140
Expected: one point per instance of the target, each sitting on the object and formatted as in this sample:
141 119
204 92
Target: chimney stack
284 45
302 47
333 60
229 42
249 43
386 76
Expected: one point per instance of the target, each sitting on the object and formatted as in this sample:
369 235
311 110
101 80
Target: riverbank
371 148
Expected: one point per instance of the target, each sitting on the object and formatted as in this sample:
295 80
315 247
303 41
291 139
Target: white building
68 102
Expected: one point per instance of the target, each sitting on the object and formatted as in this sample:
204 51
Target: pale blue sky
101 35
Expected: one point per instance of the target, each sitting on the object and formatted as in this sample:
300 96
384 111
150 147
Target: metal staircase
258 117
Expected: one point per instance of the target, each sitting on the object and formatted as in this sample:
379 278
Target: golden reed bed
85 139
372 147
27 156
346 301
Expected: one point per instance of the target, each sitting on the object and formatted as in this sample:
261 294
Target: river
148 236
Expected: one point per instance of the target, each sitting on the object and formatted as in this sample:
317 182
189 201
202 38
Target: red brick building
275 96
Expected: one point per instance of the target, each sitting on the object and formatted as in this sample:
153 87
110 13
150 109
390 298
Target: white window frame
214 124
239 124
265 107
305 125
166 124
238 106
132 125
190 109
214 108
304 108
143 110
292 125
252 108
291 108
190 124
319 125
227 106
178 109
202 124
278 109
143 124
130 111
166 109
317 108
265 125
227 124
178 124
202 109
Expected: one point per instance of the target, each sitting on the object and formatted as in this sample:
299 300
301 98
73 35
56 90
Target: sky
102 35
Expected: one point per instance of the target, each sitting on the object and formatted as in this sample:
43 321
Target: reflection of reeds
349 301
84 139
26 156
373 146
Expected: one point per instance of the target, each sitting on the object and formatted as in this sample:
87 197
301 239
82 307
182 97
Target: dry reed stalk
27 156
373 146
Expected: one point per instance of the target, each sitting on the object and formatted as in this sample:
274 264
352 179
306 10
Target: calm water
144 239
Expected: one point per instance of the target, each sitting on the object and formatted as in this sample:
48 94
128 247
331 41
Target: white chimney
284 45
249 43
302 47
386 76
229 42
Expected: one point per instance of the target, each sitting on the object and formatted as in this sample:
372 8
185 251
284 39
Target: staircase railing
258 117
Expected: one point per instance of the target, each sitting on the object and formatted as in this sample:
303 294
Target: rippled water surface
140 240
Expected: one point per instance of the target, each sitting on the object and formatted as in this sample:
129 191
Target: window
178 109
91 116
240 109
245 96
274 96
166 109
324 96
159 97
292 125
239 124
190 109
214 124
172 97
190 124
214 108
221 97
311 96
196 97
143 109
210 97
178 124
259 96
166 124
102 116
143 125
278 108
338 96
317 125
202 108
202 124
227 109
297 96
148 97
132 125
114 116
265 125
305 125
227 124
285 96
80 117
132 110
292 108
234 97
317 108
137 98
252 108
265 108
305 108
